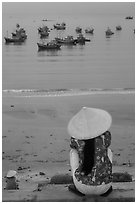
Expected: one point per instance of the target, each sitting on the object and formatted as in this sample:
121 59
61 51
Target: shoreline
64 92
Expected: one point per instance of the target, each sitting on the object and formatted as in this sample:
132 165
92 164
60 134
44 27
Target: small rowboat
49 46
78 29
109 32
118 27
129 17
81 39
69 40
59 26
89 30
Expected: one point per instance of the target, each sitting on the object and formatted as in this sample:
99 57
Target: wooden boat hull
46 47
82 41
70 42
59 27
78 30
66 42
109 33
118 28
89 31
14 40
129 17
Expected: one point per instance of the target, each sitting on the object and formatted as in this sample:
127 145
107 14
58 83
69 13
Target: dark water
101 63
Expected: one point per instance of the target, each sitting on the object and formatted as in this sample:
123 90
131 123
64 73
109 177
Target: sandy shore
34 135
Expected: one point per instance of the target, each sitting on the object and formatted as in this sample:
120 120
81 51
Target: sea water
103 63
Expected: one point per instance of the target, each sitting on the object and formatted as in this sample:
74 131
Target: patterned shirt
101 171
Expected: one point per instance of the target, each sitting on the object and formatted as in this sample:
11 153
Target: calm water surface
101 63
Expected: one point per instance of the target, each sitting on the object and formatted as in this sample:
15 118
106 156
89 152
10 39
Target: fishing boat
69 40
118 27
20 32
44 34
14 40
44 19
89 30
43 28
43 31
81 39
59 26
129 17
78 29
18 36
109 32
59 40
52 45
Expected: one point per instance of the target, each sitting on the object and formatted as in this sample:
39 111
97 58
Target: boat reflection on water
51 53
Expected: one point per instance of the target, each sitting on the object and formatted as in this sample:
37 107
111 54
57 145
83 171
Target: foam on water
64 92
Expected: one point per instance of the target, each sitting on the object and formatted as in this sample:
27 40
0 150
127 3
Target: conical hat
11 173
89 123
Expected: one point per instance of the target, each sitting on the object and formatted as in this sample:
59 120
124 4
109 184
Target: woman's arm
74 160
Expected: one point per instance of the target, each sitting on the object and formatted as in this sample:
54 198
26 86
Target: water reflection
14 43
43 53
108 37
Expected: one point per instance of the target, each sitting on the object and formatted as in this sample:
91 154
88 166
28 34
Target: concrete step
122 192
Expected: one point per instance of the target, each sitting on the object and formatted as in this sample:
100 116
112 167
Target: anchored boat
69 40
14 40
78 29
18 36
89 30
82 39
118 27
59 26
49 46
109 32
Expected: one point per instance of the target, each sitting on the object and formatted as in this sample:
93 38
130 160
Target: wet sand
35 138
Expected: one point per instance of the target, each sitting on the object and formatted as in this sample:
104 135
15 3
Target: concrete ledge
67 178
56 190
122 192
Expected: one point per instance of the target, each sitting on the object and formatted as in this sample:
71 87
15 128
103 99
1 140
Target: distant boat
78 29
109 32
43 31
59 26
20 32
43 28
129 17
14 40
59 40
69 40
44 19
49 46
118 27
89 30
44 34
18 36
81 39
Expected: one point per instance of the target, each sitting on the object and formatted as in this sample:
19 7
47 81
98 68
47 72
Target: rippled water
102 63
